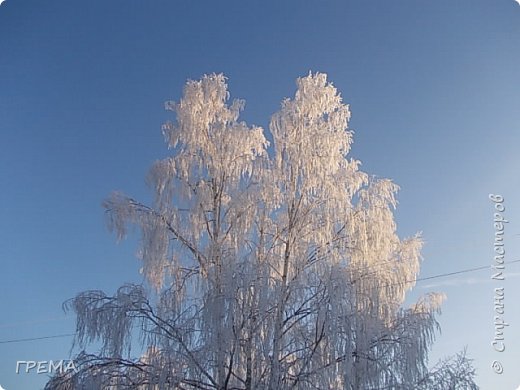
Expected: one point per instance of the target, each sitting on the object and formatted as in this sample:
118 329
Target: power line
37 338
461 272
443 275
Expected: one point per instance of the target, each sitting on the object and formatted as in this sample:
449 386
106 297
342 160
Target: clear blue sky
434 87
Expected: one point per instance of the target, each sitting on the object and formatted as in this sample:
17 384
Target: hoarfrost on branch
270 265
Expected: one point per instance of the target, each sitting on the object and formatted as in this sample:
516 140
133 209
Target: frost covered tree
268 265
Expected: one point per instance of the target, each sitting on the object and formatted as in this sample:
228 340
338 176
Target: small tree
266 268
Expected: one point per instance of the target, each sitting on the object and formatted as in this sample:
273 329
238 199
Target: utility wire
407 281
461 272
37 338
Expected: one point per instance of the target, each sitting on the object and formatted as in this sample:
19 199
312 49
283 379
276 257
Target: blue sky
434 88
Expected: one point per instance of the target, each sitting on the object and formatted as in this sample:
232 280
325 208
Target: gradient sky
434 88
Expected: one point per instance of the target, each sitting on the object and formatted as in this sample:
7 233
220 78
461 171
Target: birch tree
271 262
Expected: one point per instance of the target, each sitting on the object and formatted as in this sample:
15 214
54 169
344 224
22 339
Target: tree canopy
271 262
